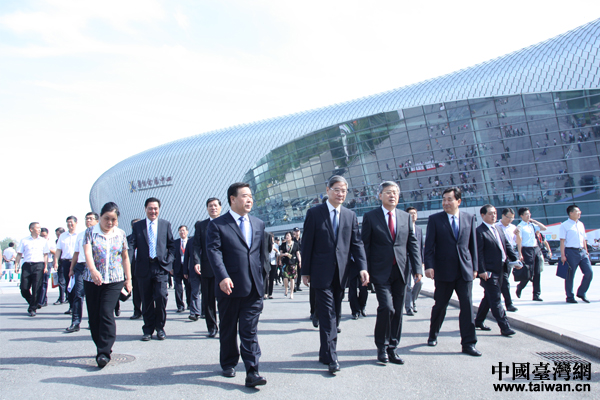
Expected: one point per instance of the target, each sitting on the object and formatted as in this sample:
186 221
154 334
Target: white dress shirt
509 232
330 207
496 234
66 245
387 218
573 232
33 250
154 232
79 247
456 220
247 227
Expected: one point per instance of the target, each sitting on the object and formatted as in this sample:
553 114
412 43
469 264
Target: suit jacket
178 266
230 257
189 257
381 250
267 247
200 254
165 247
320 251
131 252
489 254
450 258
421 243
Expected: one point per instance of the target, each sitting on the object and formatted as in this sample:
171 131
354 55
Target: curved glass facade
538 150
489 128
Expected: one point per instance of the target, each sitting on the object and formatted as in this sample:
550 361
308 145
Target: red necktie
391 226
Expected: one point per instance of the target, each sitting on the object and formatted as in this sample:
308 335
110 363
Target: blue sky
84 85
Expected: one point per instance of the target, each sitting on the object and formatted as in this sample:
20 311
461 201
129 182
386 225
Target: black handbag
523 274
562 270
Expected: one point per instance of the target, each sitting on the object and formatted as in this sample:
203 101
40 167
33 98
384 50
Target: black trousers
357 295
505 288
42 297
532 256
441 296
209 305
136 296
195 281
312 299
180 283
64 266
243 312
101 302
491 300
31 280
154 299
329 305
271 279
77 294
390 296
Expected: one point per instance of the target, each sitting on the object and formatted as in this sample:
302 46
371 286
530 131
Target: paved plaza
38 360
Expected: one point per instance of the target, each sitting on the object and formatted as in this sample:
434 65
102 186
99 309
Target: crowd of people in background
232 263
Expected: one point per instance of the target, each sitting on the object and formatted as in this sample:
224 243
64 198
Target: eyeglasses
390 192
339 191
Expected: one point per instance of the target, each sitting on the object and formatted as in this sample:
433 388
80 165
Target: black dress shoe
315 320
572 301
414 308
363 313
410 312
334 367
193 317
228 373
69 311
253 379
339 330
118 313
355 316
508 332
537 298
394 358
298 289
136 316
146 337
483 327
431 342
39 306
213 332
382 355
72 328
102 360
512 308
32 313
471 350
58 302
180 309
202 316
583 298
518 292
160 335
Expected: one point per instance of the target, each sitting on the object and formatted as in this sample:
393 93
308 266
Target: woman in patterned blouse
108 271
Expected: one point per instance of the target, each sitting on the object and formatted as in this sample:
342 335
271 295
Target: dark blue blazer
165 247
489 254
230 257
178 266
451 259
188 259
200 254
381 251
321 253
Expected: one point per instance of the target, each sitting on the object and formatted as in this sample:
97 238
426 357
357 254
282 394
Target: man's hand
185 276
55 265
226 286
418 278
364 277
306 280
429 273
474 274
128 286
71 273
521 257
485 276
197 268
563 258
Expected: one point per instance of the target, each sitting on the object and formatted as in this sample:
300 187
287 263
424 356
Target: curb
582 343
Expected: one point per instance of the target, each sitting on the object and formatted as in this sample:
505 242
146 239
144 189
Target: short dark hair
74 218
325 198
32 224
151 200
233 190
285 234
456 190
133 221
60 229
571 208
408 209
182 226
523 210
210 200
484 210
507 211
110 207
11 244
95 215
44 230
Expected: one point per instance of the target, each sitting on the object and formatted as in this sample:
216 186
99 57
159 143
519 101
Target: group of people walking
231 258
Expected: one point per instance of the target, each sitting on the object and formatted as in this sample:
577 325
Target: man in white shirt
573 250
42 297
9 256
65 247
510 231
34 252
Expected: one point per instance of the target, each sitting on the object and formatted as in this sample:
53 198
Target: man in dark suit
136 295
153 240
179 273
412 291
451 260
331 235
493 254
234 243
204 272
389 243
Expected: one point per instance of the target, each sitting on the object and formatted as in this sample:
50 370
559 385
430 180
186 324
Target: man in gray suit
412 291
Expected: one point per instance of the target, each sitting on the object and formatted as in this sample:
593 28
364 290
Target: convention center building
519 130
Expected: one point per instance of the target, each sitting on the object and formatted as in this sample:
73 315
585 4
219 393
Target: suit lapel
145 230
448 226
325 211
235 227
384 223
255 239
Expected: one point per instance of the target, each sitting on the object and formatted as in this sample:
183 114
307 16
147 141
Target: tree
6 241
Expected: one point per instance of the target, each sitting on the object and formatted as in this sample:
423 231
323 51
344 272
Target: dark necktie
391 226
243 229
454 227
335 223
